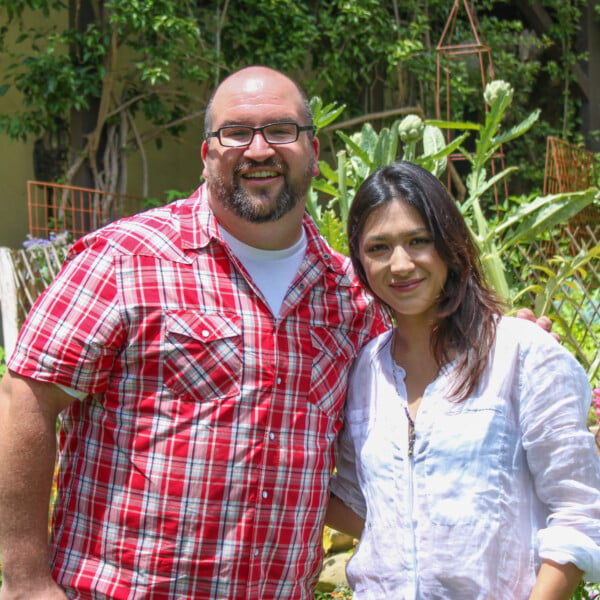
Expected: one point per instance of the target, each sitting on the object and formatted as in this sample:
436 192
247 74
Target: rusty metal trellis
446 51
570 168
55 208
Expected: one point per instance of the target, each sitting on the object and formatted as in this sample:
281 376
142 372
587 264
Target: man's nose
259 146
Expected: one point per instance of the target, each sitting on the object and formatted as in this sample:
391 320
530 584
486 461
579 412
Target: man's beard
234 198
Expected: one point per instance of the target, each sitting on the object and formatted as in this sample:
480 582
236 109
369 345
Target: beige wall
176 166
16 167
16 158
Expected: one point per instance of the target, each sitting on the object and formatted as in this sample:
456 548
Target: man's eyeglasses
237 136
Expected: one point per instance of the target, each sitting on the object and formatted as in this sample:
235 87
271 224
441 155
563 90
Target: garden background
97 93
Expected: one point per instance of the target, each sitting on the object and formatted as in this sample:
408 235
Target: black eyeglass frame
255 130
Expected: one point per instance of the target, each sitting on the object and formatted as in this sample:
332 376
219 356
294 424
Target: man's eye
240 133
281 131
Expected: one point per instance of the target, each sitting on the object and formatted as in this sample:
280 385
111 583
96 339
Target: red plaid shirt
198 466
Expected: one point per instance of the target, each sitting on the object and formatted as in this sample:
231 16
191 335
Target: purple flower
596 402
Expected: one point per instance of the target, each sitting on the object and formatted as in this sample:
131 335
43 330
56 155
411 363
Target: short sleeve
74 330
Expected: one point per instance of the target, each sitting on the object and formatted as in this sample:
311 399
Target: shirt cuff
564 544
72 392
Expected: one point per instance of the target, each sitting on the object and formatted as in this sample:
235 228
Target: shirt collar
199 226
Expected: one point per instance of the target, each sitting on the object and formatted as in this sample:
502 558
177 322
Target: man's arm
28 413
342 518
555 581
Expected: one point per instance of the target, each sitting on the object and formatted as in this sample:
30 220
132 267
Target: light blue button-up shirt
496 483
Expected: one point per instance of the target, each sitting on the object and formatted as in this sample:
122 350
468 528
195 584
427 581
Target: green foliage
559 274
128 59
561 295
159 58
2 361
334 231
586 591
494 239
366 151
59 70
342 591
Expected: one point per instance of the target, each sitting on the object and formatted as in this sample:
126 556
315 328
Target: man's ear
203 153
316 148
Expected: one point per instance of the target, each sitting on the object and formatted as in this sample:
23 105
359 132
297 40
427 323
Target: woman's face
401 264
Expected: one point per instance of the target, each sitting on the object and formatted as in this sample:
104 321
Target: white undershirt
271 270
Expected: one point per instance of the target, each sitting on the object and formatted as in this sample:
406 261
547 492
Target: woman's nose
401 260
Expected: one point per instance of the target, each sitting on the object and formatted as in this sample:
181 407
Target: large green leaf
547 212
324 115
517 130
355 148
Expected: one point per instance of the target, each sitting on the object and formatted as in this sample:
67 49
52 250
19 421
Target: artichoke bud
411 129
497 90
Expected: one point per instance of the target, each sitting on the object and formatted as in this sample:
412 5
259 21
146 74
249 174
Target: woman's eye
420 241
375 248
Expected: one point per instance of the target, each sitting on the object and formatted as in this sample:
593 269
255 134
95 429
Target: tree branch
406 110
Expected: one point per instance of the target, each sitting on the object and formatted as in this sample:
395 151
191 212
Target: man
197 355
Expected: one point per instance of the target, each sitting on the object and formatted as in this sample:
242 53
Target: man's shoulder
338 261
154 232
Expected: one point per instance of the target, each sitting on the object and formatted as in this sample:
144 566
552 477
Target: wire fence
55 208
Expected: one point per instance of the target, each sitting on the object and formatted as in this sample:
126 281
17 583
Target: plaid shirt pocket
203 355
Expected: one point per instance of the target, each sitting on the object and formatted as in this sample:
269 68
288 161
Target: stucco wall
16 158
176 165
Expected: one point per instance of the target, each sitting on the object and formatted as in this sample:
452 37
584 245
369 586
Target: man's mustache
269 163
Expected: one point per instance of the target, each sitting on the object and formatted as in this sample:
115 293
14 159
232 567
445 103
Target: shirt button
279 381
256 553
265 494
205 333
271 436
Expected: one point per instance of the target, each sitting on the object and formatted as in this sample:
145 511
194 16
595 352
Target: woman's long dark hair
465 323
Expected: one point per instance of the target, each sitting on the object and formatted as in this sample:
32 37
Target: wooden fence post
8 301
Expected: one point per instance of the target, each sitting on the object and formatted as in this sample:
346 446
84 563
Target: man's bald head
253 77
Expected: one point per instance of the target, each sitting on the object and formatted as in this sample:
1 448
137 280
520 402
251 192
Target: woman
464 446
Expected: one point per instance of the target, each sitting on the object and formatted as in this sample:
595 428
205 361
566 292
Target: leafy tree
133 72
119 62
127 73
